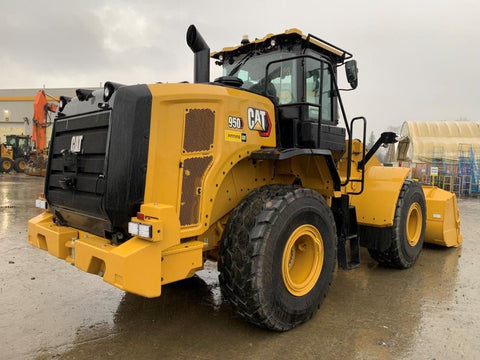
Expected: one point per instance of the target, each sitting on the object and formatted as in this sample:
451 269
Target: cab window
22 143
318 88
326 94
280 82
282 76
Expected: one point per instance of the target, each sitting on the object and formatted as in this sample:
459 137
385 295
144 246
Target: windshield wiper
240 64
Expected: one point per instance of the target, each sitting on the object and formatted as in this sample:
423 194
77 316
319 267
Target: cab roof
288 38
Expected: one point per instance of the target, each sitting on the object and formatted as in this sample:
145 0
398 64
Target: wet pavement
51 310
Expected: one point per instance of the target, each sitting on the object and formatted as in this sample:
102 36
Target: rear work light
142 230
109 89
41 203
64 100
133 228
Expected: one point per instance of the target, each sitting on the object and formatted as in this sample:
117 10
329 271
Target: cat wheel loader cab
253 170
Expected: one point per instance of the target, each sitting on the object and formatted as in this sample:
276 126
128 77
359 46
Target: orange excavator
41 107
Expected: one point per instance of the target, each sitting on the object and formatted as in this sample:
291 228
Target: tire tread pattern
394 256
242 251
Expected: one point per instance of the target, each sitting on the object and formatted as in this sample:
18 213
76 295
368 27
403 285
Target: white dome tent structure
444 153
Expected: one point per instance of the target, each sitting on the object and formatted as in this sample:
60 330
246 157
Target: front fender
375 206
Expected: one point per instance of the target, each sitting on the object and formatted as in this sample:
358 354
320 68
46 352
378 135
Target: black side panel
289 118
332 138
296 131
128 152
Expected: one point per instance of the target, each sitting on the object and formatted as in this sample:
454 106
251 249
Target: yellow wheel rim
302 260
7 165
22 165
414 224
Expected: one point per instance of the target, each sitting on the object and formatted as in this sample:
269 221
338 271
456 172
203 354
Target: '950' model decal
235 122
259 120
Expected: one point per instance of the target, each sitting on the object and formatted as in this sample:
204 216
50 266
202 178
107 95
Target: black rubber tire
20 165
6 165
400 254
251 255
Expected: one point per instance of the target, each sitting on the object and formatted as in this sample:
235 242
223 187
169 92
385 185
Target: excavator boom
40 110
41 107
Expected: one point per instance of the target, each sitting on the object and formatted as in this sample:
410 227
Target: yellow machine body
6 152
200 166
198 172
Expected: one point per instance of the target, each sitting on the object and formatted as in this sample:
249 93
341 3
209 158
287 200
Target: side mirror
352 73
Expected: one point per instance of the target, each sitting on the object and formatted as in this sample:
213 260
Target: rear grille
76 181
99 186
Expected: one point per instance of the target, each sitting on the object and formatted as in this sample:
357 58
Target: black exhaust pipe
201 72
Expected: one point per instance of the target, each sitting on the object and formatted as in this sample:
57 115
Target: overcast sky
418 60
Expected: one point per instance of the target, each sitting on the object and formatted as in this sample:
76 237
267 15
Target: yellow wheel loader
15 153
253 170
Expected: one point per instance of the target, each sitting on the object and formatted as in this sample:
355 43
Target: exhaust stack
201 72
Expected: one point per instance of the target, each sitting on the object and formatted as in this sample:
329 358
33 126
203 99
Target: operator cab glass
23 144
318 90
12 140
281 79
